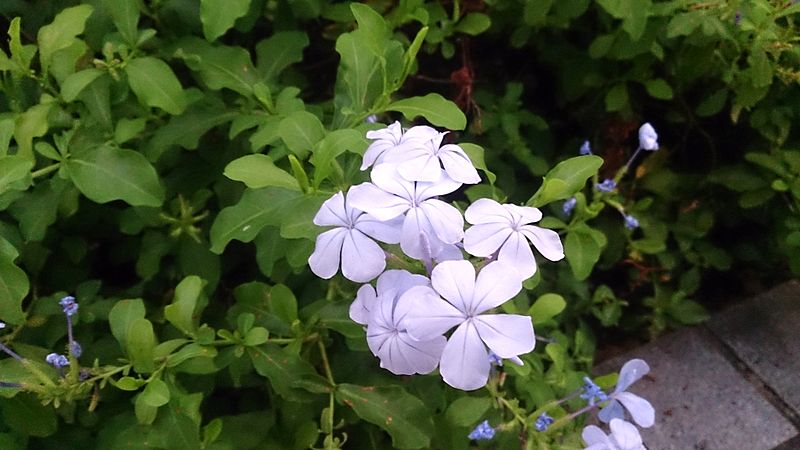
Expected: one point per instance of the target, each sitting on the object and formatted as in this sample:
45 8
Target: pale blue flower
69 305
569 206
56 360
464 299
607 185
483 432
648 139
640 409
592 392
631 222
543 422
586 149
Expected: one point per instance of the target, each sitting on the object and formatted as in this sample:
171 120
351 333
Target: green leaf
256 209
187 304
473 24
25 414
582 248
684 24
31 124
140 343
713 103
467 411
186 129
21 54
632 12
546 307
372 27
297 221
14 287
125 14
658 88
15 173
475 153
127 129
301 130
180 431
278 52
60 34
6 133
434 108
106 173
688 312
332 145
218 16
122 316
156 393
145 413
359 81
283 303
37 209
220 67
291 377
77 82
401 414
258 171
154 83
617 97
565 179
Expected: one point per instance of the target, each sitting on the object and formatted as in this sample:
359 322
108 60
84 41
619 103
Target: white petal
507 335
361 306
547 242
424 167
457 164
631 372
324 262
395 358
424 355
613 410
422 133
640 409
332 212
625 434
377 336
465 361
445 220
400 281
486 210
516 252
526 213
448 252
380 204
484 239
362 258
425 314
387 231
443 186
418 239
593 435
496 284
385 140
385 177
455 281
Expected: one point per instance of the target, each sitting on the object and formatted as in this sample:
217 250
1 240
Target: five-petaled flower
465 362
506 229
384 318
351 242
640 409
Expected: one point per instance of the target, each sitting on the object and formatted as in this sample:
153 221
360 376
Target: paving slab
702 402
764 332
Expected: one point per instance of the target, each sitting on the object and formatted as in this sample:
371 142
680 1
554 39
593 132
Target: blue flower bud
592 392
75 349
630 222
483 431
69 305
648 139
56 360
569 205
543 422
607 185
586 149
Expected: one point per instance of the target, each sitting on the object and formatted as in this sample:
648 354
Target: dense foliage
162 161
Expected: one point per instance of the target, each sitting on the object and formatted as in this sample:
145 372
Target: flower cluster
409 317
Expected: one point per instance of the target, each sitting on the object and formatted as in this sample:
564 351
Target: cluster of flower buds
408 317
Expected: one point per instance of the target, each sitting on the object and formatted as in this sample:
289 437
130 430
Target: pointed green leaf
292 377
15 173
29 125
434 108
218 16
140 344
565 179
14 285
401 414
185 307
278 52
60 34
122 316
25 414
105 173
75 83
155 84
125 14
258 171
301 130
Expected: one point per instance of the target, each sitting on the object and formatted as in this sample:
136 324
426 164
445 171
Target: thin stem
511 408
45 170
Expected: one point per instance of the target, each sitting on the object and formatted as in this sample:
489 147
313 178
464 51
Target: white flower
384 318
428 160
505 227
640 409
428 224
389 138
648 139
624 436
465 362
362 259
